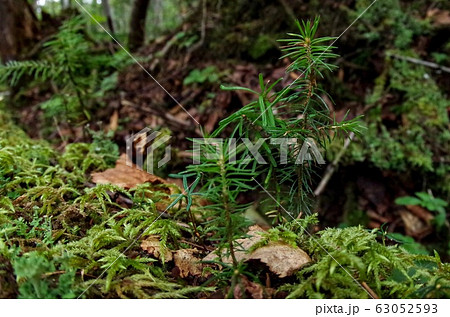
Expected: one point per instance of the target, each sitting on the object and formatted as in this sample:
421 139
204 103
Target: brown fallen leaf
114 121
282 259
187 263
247 289
152 246
439 17
125 176
414 226
254 234
421 212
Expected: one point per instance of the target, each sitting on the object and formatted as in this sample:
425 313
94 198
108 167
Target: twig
62 272
421 62
369 290
170 118
332 167
63 139
163 52
203 30
206 248
37 47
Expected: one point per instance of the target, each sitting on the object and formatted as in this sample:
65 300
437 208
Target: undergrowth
57 248
73 68
63 237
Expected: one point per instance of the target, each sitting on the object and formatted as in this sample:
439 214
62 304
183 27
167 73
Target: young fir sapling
296 112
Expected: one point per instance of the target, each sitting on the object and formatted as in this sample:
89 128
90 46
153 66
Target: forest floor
77 221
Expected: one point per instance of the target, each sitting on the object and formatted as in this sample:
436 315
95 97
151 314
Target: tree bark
137 24
66 4
18 28
108 14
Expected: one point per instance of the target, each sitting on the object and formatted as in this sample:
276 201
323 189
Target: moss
261 46
47 214
411 135
390 271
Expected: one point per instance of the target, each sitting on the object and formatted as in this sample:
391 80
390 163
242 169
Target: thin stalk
311 80
194 226
227 209
311 84
300 182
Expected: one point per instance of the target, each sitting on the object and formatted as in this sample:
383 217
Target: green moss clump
410 136
50 222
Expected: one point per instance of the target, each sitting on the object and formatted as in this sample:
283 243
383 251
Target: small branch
228 210
37 47
421 62
332 167
369 290
171 120
203 30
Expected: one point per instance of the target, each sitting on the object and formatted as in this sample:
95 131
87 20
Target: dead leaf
254 234
152 246
114 121
282 259
421 212
247 289
439 17
125 176
187 263
414 226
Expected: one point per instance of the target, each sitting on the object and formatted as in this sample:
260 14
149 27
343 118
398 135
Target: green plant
395 15
223 182
38 230
296 112
38 278
78 76
78 241
87 157
429 202
408 243
201 76
387 270
414 140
